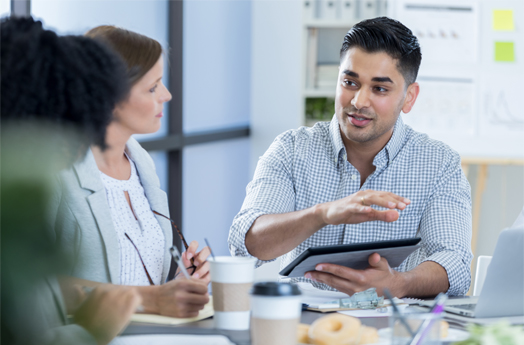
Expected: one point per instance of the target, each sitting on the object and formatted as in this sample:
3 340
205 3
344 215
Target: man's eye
381 89
349 82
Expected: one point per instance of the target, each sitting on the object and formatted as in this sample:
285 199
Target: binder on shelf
329 9
367 9
327 76
309 10
348 10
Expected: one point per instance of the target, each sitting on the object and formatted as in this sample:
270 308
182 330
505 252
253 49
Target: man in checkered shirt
365 176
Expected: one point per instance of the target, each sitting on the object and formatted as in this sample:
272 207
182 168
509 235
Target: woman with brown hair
111 212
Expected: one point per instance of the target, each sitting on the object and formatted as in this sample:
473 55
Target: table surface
238 337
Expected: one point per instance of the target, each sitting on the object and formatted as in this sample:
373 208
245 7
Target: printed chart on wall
471 73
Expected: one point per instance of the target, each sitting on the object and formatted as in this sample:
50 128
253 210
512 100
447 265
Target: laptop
503 291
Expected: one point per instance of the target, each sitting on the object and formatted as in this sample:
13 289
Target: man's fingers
374 259
357 208
383 199
336 282
341 271
385 216
378 262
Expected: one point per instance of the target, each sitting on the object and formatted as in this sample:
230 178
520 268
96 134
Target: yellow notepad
208 311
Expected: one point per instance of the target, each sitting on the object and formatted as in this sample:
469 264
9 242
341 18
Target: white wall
276 72
217 91
5 8
215 177
217 63
276 86
147 17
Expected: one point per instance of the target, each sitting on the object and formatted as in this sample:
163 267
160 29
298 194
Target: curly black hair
383 34
69 81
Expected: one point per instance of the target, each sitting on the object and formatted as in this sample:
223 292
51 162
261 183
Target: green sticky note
503 20
504 52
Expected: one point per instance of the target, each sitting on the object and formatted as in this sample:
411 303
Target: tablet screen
351 255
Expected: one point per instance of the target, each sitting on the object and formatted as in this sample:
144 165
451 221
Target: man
363 177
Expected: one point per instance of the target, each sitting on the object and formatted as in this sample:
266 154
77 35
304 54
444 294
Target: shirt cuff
459 273
237 236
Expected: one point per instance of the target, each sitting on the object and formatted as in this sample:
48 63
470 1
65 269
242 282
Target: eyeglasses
192 260
192 267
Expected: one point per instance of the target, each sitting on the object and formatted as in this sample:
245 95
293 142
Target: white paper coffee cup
275 313
231 281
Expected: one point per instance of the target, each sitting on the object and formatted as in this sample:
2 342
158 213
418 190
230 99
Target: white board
467 99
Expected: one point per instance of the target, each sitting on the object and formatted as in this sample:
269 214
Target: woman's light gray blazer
82 219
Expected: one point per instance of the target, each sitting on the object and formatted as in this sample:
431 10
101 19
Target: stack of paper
170 339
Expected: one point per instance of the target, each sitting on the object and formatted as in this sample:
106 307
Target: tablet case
351 255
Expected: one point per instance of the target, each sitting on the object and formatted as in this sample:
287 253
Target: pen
178 259
397 312
437 308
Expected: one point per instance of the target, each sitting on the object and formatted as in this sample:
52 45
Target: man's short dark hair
387 35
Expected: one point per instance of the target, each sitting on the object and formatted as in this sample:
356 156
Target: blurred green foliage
320 109
497 334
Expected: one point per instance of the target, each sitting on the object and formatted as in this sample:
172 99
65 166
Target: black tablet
351 255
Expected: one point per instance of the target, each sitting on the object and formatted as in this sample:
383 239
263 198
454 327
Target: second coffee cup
275 313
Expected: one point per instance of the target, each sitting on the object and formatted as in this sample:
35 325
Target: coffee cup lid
275 289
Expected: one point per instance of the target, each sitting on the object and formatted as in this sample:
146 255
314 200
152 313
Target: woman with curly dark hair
111 209
57 98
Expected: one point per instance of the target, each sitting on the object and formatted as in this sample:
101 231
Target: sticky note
504 52
503 20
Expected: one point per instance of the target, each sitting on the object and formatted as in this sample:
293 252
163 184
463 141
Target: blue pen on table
178 259
398 313
437 308
210 250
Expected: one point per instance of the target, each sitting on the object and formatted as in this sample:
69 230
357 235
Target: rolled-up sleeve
446 225
270 192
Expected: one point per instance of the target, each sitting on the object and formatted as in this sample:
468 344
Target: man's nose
361 99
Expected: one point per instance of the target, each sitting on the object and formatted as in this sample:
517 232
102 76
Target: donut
444 327
302 333
368 335
335 329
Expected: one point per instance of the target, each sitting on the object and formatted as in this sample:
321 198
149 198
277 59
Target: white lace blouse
145 232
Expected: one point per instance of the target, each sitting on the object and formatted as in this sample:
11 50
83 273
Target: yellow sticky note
503 20
504 52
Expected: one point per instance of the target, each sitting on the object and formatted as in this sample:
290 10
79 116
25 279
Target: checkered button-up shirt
309 166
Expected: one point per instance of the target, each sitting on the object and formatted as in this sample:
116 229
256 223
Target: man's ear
411 97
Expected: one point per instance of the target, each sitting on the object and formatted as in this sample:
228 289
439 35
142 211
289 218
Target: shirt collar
339 150
385 156
392 148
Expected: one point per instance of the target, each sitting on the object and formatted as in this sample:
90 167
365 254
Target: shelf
324 92
331 24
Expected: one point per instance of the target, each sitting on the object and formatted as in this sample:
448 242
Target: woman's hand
201 271
181 297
